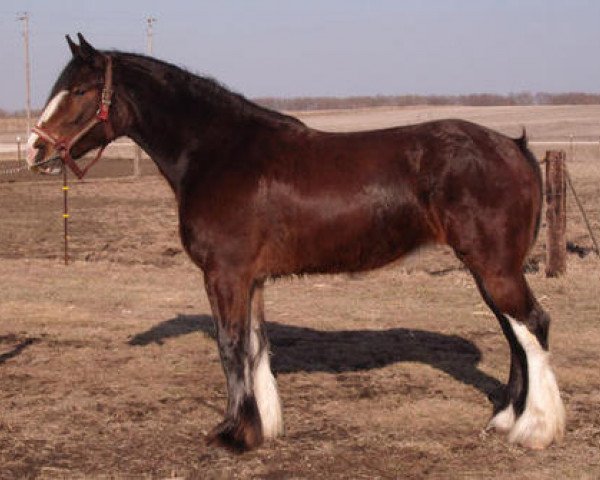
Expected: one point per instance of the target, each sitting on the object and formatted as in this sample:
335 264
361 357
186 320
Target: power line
149 46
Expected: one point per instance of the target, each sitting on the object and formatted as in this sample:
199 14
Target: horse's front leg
264 383
243 350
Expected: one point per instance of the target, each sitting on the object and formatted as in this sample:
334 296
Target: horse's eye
78 91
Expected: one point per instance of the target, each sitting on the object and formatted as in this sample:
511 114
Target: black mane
205 89
201 88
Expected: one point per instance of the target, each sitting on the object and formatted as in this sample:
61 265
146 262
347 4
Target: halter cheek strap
65 144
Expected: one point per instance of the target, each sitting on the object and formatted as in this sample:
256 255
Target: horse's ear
89 54
75 50
87 51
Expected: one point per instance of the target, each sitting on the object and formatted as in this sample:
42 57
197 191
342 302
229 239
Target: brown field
109 369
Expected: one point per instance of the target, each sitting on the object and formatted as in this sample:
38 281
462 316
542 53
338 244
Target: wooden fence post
19 150
137 158
556 209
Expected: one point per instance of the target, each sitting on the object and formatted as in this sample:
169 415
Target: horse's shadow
301 349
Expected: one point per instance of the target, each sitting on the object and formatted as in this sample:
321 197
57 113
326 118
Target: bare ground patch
108 368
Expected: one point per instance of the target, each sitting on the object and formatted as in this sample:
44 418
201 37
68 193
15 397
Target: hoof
234 436
239 434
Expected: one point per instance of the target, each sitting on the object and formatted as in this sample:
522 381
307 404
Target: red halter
65 144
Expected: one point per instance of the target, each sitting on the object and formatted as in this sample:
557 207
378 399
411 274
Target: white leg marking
50 109
543 420
265 391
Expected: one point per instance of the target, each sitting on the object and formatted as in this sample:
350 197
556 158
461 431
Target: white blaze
50 109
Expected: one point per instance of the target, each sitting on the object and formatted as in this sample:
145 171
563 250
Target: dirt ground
109 368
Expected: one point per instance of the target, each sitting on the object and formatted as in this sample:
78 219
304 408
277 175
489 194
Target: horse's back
304 201
356 201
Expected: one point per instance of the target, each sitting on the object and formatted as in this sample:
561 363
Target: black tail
535 165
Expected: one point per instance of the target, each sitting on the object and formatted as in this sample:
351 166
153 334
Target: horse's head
76 117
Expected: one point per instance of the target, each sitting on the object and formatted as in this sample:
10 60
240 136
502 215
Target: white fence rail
564 142
12 155
126 148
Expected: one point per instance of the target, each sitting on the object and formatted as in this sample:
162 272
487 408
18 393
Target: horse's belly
357 241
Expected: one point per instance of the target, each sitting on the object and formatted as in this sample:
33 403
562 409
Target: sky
322 47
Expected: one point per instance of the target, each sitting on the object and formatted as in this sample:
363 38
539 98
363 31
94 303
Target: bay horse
261 196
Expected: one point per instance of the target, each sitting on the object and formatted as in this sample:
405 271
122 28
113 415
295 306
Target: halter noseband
65 144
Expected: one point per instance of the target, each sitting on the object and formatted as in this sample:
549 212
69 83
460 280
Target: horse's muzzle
50 166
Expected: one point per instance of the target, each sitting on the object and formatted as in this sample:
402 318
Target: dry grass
109 368
541 122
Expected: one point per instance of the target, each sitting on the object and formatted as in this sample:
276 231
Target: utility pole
149 35
24 17
137 150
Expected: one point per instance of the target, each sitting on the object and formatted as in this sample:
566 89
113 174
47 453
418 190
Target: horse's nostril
36 154
41 152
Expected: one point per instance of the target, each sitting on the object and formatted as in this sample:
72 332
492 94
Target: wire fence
575 149
125 159
120 159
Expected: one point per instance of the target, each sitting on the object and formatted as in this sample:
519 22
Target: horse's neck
174 138
192 121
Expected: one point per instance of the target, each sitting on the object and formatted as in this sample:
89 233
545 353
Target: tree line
474 99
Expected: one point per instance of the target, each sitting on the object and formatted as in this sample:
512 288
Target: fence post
571 148
137 157
556 209
65 189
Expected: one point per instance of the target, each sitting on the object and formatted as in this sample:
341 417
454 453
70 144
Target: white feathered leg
543 420
264 383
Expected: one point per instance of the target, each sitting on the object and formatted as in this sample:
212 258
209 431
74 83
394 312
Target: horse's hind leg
253 409
533 412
